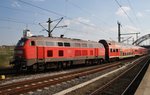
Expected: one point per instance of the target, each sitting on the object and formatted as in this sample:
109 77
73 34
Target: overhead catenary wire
127 15
58 14
134 13
87 12
8 19
41 8
124 12
19 10
12 20
132 10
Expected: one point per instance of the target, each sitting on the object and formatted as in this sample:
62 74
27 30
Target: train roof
57 39
114 43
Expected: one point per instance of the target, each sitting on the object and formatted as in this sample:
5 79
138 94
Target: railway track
127 82
31 85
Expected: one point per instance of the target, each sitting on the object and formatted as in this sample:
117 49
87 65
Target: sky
85 19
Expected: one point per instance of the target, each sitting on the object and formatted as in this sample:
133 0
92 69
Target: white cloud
77 21
139 14
120 11
67 22
87 30
147 10
131 29
83 20
15 4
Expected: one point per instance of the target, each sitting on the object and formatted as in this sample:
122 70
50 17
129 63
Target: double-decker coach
116 51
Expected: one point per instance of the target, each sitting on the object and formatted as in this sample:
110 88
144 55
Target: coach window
32 43
116 50
111 50
60 44
49 53
67 44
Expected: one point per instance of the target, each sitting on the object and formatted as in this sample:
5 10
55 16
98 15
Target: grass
6 53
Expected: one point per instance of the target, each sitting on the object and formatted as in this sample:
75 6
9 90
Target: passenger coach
116 51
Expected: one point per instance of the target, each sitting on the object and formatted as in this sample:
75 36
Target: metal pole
119 31
49 27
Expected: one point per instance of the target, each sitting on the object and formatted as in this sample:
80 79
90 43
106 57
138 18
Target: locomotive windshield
21 42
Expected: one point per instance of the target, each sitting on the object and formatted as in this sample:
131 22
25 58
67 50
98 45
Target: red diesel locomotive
39 52
36 52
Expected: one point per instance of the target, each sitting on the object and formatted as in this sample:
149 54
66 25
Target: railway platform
144 87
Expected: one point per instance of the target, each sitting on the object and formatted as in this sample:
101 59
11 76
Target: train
39 52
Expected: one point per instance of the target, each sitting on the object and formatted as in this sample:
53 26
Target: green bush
5 55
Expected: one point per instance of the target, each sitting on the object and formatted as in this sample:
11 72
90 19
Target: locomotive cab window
32 43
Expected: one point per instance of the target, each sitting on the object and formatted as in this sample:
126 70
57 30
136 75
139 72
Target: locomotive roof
57 39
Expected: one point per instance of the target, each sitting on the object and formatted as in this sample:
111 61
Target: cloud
139 14
120 11
77 21
131 29
83 20
15 4
147 10
84 28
